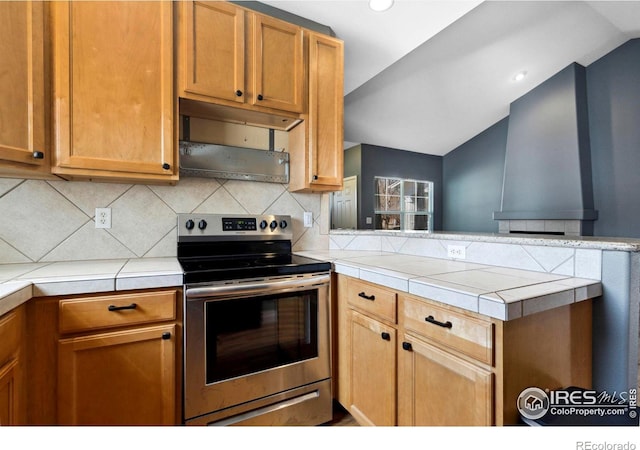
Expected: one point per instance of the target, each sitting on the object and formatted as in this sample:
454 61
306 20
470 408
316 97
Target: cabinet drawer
9 335
116 310
467 335
372 299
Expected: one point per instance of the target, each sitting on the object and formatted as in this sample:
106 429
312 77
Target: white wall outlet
456 251
308 219
103 217
368 220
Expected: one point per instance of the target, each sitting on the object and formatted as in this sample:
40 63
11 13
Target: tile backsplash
574 262
54 220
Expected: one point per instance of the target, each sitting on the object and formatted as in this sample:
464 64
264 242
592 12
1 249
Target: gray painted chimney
547 176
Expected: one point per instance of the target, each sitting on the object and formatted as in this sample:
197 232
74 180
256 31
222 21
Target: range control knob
283 224
190 224
273 225
202 224
263 224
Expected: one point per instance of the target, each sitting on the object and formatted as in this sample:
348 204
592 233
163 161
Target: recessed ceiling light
520 76
380 5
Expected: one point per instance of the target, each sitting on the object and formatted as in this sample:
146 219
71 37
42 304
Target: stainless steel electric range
256 323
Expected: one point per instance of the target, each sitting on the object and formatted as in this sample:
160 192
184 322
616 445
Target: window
403 204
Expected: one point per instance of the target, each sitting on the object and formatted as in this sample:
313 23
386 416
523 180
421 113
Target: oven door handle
260 287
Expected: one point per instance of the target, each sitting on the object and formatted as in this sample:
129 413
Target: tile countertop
20 282
498 292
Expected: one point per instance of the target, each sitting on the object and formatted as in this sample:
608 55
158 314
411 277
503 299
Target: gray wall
613 88
473 181
613 96
376 161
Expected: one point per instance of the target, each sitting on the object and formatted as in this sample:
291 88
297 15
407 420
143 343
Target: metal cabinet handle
238 93
166 166
367 297
407 346
166 335
446 324
120 308
38 155
260 97
386 336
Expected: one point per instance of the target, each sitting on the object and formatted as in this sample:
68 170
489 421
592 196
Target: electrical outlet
456 251
103 217
308 219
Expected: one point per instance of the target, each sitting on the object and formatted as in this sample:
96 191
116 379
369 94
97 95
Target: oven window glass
248 335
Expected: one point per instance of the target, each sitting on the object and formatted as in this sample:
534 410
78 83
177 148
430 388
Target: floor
341 418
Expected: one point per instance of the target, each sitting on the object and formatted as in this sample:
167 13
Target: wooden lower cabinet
12 393
449 366
119 378
12 383
105 359
373 371
440 389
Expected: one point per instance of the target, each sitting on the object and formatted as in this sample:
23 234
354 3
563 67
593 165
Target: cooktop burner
213 247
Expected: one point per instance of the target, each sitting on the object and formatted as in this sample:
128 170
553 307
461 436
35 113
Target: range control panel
233 226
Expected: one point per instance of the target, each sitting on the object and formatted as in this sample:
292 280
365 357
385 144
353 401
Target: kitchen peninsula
502 279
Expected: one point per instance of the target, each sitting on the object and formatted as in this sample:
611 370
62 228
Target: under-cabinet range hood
222 161
547 185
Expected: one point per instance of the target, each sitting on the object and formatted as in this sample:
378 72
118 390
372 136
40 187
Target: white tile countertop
20 282
499 292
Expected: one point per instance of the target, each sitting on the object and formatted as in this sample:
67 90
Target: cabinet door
326 69
316 145
12 395
119 378
9 393
113 89
440 389
373 371
212 43
22 118
278 69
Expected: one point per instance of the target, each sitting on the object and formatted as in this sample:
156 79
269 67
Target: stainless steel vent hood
547 183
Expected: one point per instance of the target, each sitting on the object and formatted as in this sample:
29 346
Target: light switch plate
308 219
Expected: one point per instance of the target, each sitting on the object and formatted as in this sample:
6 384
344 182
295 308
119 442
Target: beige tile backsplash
43 221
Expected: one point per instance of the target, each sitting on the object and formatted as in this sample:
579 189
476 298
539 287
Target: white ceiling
427 76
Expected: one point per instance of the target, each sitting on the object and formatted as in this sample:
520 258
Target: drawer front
467 335
372 298
10 328
85 314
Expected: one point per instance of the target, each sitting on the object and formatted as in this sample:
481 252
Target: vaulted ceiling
427 76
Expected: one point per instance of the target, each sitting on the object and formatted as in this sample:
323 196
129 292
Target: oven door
247 341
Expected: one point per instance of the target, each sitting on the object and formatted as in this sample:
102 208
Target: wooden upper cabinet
113 90
22 90
278 65
212 45
317 143
234 57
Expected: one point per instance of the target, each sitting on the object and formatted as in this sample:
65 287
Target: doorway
344 205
